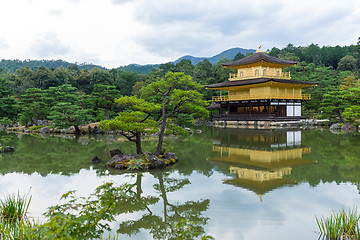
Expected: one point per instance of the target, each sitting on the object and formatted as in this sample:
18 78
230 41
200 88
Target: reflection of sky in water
284 211
234 212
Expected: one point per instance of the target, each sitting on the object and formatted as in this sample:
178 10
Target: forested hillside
74 94
12 65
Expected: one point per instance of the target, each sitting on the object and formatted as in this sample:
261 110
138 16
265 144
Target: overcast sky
115 33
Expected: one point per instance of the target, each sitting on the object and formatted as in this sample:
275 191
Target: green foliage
34 105
138 104
66 110
351 113
320 56
185 230
333 105
13 65
36 128
103 97
89 217
173 129
27 95
131 125
176 93
183 119
84 217
347 63
129 122
343 102
9 105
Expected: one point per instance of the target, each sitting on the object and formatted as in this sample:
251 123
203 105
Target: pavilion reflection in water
260 160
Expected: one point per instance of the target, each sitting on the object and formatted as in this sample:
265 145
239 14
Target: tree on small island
167 96
176 93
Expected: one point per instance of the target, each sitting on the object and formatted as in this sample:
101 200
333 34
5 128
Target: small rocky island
144 161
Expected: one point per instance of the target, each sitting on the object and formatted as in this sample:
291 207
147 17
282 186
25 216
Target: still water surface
236 183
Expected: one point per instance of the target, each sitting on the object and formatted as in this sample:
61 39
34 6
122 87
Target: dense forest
83 93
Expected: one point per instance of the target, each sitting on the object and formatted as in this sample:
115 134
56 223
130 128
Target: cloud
203 27
48 46
3 44
119 2
119 32
56 12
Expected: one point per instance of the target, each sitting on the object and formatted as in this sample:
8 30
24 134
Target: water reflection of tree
162 227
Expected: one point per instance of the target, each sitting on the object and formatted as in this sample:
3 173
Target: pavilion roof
258 56
257 81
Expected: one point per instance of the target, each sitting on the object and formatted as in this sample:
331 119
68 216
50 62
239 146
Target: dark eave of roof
256 81
257 57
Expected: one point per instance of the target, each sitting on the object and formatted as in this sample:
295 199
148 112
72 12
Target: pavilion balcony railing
254 97
236 76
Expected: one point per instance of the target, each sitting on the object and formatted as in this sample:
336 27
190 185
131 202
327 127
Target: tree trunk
162 129
138 143
77 129
340 117
161 136
107 116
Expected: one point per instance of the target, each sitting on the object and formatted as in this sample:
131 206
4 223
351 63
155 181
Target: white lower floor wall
292 109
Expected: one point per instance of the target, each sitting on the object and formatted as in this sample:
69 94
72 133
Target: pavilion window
274 109
264 72
257 72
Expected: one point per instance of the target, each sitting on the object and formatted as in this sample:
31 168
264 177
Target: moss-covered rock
141 161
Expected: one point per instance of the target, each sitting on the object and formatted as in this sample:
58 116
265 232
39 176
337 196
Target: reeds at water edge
14 223
340 225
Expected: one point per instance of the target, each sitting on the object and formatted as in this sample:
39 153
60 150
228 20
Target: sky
114 33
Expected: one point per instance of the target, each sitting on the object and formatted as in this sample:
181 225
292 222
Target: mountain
229 54
13 65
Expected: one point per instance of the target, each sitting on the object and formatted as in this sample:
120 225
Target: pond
235 183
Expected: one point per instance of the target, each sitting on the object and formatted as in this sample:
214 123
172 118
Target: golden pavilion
259 90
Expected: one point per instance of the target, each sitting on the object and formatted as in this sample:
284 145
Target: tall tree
176 92
333 105
185 66
103 96
66 110
347 63
33 106
9 106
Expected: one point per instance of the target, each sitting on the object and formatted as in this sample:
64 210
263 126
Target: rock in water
335 126
346 128
170 155
9 149
96 130
44 130
95 159
188 129
115 151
